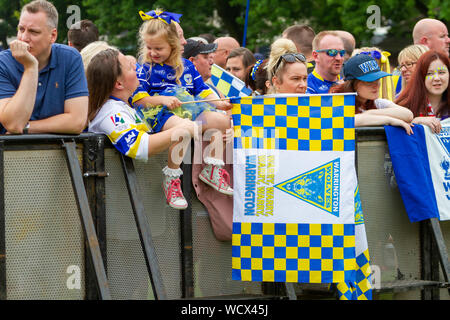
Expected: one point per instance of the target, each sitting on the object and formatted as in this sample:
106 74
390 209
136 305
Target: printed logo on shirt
117 119
188 78
137 119
130 137
171 76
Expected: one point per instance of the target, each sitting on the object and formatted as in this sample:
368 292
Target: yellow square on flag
315 123
258 109
315 101
349 111
338 122
281 110
281 132
246 120
326 112
315 145
338 100
292 144
303 111
269 121
292 122
303 134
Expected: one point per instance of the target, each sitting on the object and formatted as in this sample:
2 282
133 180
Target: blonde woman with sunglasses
287 70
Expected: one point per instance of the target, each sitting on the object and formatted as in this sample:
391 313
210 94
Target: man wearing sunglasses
328 53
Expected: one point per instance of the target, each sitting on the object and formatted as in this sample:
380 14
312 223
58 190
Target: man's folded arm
72 121
16 110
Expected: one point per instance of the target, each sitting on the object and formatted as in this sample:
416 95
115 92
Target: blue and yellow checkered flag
294 182
361 289
227 84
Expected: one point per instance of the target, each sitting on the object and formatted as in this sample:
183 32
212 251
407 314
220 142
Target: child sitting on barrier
362 74
162 73
111 81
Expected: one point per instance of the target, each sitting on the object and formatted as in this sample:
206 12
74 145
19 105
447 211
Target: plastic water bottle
390 262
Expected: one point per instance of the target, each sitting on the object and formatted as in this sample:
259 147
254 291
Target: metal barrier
45 254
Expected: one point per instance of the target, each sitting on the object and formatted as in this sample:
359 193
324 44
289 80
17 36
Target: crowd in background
137 101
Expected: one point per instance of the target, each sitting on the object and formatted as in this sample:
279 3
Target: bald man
349 42
224 46
432 33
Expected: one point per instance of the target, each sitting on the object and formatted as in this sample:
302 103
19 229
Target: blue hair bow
165 16
255 68
375 54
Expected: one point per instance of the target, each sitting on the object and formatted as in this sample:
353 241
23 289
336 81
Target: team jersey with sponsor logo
155 78
123 126
317 84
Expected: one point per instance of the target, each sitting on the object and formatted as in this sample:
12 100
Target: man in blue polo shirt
328 53
42 84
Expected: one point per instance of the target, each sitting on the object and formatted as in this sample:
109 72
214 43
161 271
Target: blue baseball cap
363 67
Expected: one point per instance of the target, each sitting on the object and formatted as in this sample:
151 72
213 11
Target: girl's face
128 78
367 90
436 79
158 49
294 79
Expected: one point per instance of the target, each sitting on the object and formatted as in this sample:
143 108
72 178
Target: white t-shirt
126 130
383 103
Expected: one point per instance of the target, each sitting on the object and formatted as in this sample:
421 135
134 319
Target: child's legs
214 125
178 149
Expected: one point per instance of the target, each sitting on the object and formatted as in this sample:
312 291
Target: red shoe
173 193
217 178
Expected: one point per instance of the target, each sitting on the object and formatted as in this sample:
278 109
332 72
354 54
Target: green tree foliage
119 21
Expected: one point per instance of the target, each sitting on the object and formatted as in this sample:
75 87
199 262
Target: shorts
158 122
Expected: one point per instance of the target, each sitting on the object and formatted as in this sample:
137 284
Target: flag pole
208 100
246 24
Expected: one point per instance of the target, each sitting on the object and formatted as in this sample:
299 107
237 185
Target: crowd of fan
135 101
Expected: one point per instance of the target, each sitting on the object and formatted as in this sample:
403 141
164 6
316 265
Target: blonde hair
278 48
387 89
413 53
45 6
156 27
88 52
318 38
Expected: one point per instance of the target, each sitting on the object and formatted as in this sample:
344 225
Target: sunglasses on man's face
332 52
290 58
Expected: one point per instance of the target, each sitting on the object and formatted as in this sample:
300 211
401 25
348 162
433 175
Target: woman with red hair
426 94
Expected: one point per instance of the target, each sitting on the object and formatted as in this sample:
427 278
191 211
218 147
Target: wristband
25 130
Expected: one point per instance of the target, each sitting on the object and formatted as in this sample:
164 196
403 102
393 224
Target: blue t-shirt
157 77
317 85
62 79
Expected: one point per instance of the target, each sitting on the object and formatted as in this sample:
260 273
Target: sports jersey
317 84
154 78
123 126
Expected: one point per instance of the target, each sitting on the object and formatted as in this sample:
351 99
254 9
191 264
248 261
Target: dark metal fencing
79 221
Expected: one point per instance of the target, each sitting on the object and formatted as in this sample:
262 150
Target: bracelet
25 130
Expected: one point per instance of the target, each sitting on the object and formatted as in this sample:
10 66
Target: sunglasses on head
332 52
290 58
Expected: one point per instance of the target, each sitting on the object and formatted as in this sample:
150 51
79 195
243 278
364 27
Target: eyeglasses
290 58
332 52
406 65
